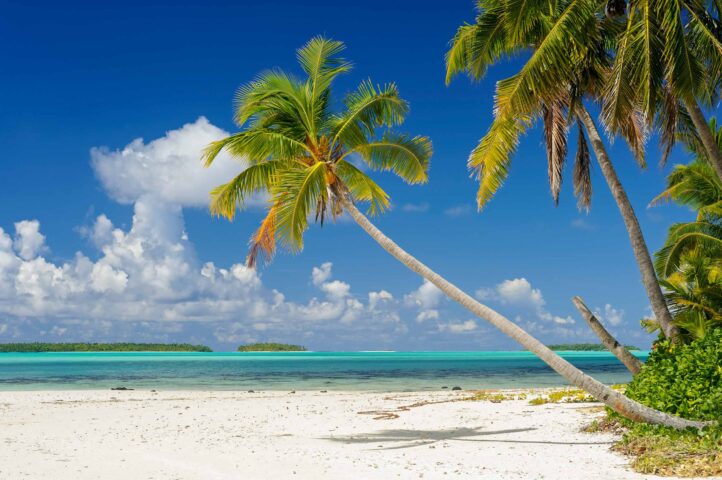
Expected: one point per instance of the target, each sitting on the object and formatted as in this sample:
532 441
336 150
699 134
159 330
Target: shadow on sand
417 438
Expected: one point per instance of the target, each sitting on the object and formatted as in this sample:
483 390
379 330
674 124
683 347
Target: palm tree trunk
632 363
615 400
639 246
707 136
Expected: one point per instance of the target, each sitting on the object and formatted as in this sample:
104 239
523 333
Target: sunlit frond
296 192
362 188
275 93
255 145
552 65
407 157
226 199
475 47
318 59
491 158
367 108
684 237
263 241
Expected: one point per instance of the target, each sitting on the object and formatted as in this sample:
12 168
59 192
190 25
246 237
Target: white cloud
415 207
169 168
336 289
424 315
463 327
458 211
518 292
426 296
609 315
29 242
380 298
321 274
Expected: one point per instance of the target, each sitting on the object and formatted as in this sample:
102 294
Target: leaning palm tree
300 155
568 42
668 63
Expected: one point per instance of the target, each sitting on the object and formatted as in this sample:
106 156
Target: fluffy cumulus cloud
520 294
169 168
609 315
146 282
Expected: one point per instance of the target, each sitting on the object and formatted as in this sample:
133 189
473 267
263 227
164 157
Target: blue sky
83 81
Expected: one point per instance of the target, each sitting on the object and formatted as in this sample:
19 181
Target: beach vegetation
271 347
101 347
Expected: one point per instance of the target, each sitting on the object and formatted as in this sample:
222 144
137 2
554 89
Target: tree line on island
39 347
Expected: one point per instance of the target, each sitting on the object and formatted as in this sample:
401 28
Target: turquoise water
374 371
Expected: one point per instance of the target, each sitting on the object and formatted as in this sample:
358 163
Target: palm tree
690 261
299 154
568 42
695 185
669 52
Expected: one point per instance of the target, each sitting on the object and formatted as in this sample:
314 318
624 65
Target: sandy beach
305 435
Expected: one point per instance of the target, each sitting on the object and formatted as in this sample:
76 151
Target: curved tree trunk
639 246
615 400
632 363
706 135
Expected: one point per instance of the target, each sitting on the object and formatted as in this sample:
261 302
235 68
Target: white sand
306 435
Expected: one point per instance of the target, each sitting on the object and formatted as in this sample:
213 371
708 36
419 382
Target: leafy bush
684 380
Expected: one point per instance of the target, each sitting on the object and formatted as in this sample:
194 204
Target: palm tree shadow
402 438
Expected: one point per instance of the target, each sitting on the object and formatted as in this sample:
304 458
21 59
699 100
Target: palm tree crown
304 156
567 42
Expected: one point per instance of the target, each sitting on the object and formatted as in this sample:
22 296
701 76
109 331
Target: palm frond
367 108
407 157
226 199
319 60
278 94
362 188
582 172
684 237
552 65
256 145
475 47
491 158
263 241
296 192
555 140
684 72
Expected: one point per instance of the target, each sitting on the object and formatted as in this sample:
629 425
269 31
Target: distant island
585 347
271 347
101 347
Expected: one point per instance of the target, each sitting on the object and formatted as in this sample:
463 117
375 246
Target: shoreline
189 434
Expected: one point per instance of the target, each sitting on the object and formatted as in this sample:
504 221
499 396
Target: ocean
363 371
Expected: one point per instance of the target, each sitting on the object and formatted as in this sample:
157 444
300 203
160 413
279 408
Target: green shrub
684 380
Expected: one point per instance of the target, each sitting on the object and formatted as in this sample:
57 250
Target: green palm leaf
226 199
406 157
362 188
296 192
